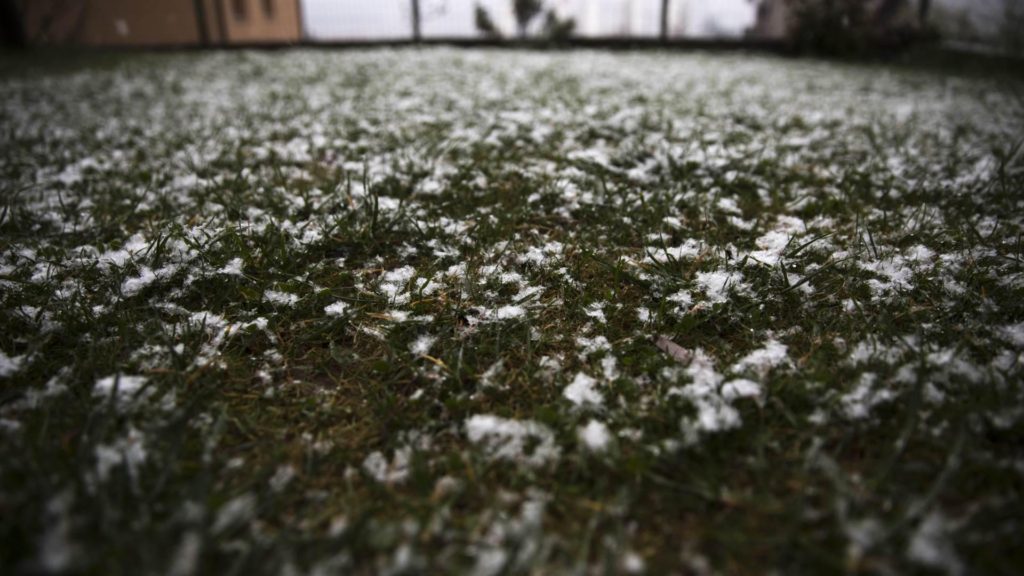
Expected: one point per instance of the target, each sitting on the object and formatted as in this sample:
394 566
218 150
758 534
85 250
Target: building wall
253 21
772 21
161 22
110 22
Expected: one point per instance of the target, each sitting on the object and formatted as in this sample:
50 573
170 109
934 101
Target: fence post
664 20
416 37
204 34
222 21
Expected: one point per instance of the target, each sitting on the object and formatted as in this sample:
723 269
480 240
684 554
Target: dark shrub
857 28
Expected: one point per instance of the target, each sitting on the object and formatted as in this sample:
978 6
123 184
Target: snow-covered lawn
436 311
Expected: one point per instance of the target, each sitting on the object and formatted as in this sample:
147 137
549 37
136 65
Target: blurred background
822 26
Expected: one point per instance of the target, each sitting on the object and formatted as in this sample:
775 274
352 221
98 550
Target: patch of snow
729 206
931 545
337 309
126 387
282 477
740 222
740 388
393 284
683 301
422 344
232 268
9 365
609 367
896 275
128 451
1011 333
582 391
394 472
643 314
57 551
234 512
135 246
595 311
857 404
717 284
593 345
633 563
512 440
687 250
509 312
715 416
762 360
280 298
595 436
771 245
673 222
133 286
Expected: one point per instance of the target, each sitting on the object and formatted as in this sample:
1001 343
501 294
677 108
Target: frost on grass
661 258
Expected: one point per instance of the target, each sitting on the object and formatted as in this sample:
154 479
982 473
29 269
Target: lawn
506 312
